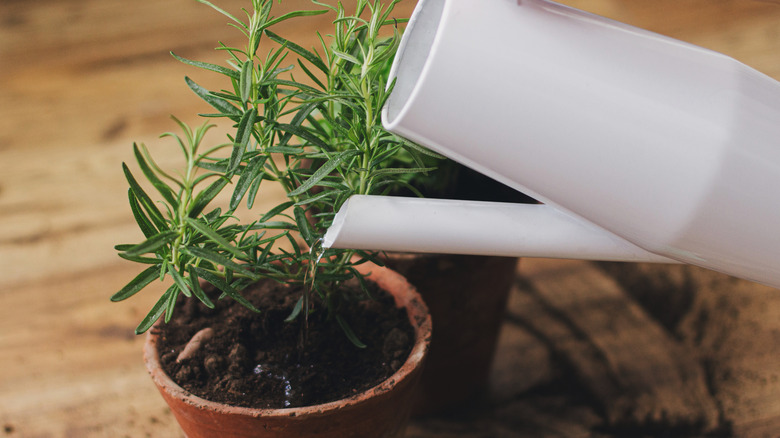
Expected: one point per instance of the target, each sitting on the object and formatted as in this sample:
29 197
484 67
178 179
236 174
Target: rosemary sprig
321 141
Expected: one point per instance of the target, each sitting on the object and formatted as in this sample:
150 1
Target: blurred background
81 80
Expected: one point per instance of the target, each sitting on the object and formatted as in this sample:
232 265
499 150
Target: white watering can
641 147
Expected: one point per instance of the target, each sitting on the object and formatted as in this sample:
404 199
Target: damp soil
256 359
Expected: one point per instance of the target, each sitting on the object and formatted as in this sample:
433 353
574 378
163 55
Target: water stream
316 252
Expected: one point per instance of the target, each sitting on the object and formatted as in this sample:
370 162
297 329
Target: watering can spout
640 147
474 227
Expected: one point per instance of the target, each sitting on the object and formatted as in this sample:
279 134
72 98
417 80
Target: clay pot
467 298
380 412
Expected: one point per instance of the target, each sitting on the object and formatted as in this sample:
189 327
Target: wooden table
587 349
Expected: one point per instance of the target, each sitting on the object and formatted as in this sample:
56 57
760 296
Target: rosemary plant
321 140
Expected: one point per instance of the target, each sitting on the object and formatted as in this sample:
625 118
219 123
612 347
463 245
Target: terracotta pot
382 411
467 298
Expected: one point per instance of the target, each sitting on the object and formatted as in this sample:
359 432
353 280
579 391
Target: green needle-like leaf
303 112
295 311
158 184
270 214
247 178
218 259
153 243
296 85
286 150
144 199
245 128
348 331
400 170
311 75
156 312
303 226
137 284
222 285
197 290
206 66
140 217
290 15
214 237
171 303
421 149
245 82
204 197
324 171
142 260
221 11
179 281
309 56
347 57
219 104
274 225
251 195
325 194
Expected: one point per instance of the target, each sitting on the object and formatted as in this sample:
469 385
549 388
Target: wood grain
585 351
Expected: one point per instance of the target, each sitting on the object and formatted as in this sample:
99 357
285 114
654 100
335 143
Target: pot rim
405 296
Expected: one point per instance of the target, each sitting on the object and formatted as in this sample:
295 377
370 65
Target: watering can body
669 149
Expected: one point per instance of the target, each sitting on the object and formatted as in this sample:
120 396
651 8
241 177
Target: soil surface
255 360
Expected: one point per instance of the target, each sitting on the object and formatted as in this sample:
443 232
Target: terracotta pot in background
380 412
467 298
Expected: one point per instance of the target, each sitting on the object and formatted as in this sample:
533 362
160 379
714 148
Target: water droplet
316 252
288 393
272 372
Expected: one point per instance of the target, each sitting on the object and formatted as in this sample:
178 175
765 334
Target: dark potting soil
255 360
